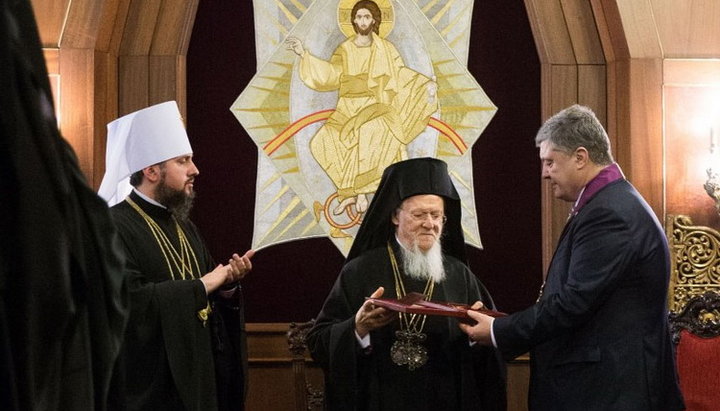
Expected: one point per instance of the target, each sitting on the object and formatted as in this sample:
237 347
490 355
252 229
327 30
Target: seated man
371 361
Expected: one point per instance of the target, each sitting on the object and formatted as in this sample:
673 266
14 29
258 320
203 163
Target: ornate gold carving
701 316
695 260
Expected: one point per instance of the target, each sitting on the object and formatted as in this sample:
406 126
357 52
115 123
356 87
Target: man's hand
240 266
479 332
228 274
369 317
293 43
222 274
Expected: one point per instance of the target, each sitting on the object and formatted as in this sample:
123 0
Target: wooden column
634 57
573 71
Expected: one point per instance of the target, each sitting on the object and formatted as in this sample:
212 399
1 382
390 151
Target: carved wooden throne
696 331
695 260
694 303
307 397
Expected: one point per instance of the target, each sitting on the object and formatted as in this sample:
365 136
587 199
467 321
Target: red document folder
414 303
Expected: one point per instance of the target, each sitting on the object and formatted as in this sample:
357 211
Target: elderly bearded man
398 251
185 344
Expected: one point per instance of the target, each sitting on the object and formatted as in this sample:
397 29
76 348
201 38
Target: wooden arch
109 58
615 56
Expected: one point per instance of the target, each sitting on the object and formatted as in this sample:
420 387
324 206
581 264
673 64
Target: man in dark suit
598 335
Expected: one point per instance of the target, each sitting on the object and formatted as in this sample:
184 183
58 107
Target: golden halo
345 8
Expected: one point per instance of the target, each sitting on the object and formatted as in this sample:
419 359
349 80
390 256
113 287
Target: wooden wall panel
610 30
52 60
105 108
133 80
270 387
110 33
147 80
586 44
611 78
152 53
564 90
77 84
173 28
560 90
639 29
139 27
689 28
640 140
50 16
166 78
518 375
592 88
550 31
691 72
81 27
691 97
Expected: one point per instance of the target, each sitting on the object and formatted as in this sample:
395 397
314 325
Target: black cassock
63 304
457 376
173 360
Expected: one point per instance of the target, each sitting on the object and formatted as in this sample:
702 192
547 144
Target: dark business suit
598 337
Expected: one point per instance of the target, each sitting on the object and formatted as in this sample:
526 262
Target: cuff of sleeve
229 291
492 333
363 341
201 297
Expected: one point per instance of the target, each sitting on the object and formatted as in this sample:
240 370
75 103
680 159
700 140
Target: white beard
421 266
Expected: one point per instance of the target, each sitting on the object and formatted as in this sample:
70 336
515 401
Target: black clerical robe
457 376
168 350
63 304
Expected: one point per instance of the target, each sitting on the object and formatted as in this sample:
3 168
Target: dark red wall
289 282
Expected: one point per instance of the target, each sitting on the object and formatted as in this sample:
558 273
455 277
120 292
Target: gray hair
574 127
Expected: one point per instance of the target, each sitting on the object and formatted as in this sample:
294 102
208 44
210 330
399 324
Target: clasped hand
235 270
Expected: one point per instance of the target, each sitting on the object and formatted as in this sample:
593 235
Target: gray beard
421 266
176 201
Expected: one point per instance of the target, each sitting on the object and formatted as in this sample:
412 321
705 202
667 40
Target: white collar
400 243
148 199
574 207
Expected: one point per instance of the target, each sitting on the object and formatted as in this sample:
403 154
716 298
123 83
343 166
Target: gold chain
181 260
410 321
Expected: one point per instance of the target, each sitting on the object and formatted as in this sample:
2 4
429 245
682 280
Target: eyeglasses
421 216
